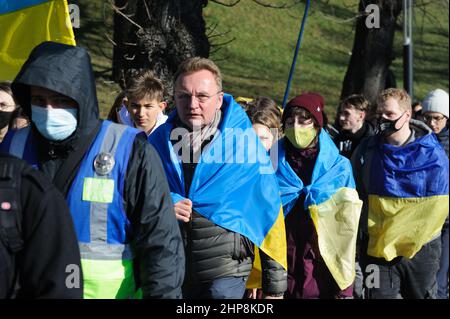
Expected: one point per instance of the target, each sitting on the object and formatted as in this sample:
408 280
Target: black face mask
5 117
388 127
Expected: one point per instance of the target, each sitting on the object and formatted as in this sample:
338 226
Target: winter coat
155 237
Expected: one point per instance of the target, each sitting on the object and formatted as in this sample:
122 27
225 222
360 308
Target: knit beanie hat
436 101
313 102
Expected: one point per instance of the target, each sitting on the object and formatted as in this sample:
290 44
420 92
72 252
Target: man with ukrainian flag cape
320 202
402 175
224 188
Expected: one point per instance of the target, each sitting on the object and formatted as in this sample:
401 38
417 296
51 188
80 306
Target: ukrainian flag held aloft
332 202
234 184
408 197
26 23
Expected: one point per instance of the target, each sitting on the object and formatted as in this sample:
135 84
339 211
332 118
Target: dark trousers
221 288
404 278
442 275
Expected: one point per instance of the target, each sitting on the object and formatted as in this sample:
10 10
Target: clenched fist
183 210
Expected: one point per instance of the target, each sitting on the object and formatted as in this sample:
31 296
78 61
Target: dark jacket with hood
156 240
34 264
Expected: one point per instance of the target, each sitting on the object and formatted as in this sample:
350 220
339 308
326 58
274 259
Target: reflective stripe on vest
18 142
102 228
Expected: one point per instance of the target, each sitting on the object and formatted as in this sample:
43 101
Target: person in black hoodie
112 178
352 127
39 256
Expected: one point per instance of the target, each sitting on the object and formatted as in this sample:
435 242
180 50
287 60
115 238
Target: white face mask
54 124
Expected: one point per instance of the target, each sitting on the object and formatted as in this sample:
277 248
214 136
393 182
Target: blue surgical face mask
54 124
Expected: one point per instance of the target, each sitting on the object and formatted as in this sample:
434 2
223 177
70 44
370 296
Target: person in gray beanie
435 110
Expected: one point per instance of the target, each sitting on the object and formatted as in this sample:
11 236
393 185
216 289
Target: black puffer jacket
214 252
155 234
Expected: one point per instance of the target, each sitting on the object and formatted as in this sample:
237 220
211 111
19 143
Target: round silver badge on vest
104 163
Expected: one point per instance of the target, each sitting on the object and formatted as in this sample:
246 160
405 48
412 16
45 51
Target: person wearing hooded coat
112 178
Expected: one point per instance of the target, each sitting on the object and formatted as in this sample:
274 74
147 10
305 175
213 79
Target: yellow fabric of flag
401 226
336 221
24 25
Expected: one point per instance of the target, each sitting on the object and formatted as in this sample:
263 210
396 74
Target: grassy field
258 60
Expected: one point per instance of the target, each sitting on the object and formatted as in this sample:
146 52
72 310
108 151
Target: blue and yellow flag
26 23
234 184
408 197
332 202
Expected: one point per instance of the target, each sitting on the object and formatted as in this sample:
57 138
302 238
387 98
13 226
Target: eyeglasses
5 107
201 98
435 118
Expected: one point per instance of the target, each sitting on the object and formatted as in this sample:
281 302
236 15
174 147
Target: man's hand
252 293
273 297
183 210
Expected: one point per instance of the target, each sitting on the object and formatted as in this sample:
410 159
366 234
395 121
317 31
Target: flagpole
407 49
297 48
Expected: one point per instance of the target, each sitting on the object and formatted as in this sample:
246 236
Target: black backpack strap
66 173
10 208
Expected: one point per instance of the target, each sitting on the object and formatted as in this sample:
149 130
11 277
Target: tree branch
110 40
211 29
117 10
218 34
146 9
223 43
226 4
269 5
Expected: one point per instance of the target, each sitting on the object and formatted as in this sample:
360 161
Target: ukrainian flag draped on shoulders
333 204
234 184
408 197
26 23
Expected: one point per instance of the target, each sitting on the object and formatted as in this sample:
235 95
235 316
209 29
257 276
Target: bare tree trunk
372 52
165 33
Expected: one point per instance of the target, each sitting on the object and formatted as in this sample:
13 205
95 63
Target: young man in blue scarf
402 177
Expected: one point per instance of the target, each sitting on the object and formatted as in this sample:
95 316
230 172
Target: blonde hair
196 64
264 111
402 97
